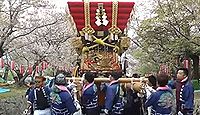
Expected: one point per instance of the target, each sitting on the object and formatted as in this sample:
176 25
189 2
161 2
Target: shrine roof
77 11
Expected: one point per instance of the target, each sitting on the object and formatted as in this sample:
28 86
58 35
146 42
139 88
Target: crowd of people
156 97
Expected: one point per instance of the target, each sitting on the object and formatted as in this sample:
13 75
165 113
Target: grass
14 91
196 84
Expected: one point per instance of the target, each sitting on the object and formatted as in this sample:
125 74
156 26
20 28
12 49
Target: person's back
162 101
133 105
113 103
30 87
62 101
89 97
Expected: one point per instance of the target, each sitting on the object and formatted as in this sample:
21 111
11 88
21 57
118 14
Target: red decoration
46 65
12 65
186 63
30 69
164 69
77 11
21 69
37 69
43 65
1 63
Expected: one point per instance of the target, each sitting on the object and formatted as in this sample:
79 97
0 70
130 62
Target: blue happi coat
89 96
113 102
162 101
184 95
62 102
35 96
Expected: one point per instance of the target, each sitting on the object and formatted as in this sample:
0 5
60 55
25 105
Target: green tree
172 33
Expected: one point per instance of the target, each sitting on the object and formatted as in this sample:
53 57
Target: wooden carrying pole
121 80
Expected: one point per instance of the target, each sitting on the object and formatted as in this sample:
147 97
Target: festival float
102 37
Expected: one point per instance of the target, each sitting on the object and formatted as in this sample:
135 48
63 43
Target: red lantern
21 69
46 65
1 63
186 63
37 69
12 65
30 69
43 65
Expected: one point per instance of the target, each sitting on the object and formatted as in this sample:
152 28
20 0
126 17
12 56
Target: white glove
71 86
180 113
106 111
25 112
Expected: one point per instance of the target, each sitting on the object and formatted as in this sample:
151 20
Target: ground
14 102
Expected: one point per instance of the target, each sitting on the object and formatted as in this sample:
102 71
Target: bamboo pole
121 80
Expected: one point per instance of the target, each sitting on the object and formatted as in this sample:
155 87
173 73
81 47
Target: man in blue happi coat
89 97
39 97
184 92
113 102
62 100
162 101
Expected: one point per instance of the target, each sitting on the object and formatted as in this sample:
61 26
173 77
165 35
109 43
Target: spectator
184 92
150 88
39 97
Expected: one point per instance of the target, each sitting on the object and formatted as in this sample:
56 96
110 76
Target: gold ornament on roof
114 30
87 29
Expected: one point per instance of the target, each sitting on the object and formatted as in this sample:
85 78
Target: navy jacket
44 95
113 102
162 101
89 96
184 95
63 104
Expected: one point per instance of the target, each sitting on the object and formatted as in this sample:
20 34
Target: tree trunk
195 74
1 49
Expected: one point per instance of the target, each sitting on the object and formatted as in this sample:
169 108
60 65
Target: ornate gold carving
87 29
103 61
114 13
114 30
77 44
125 42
